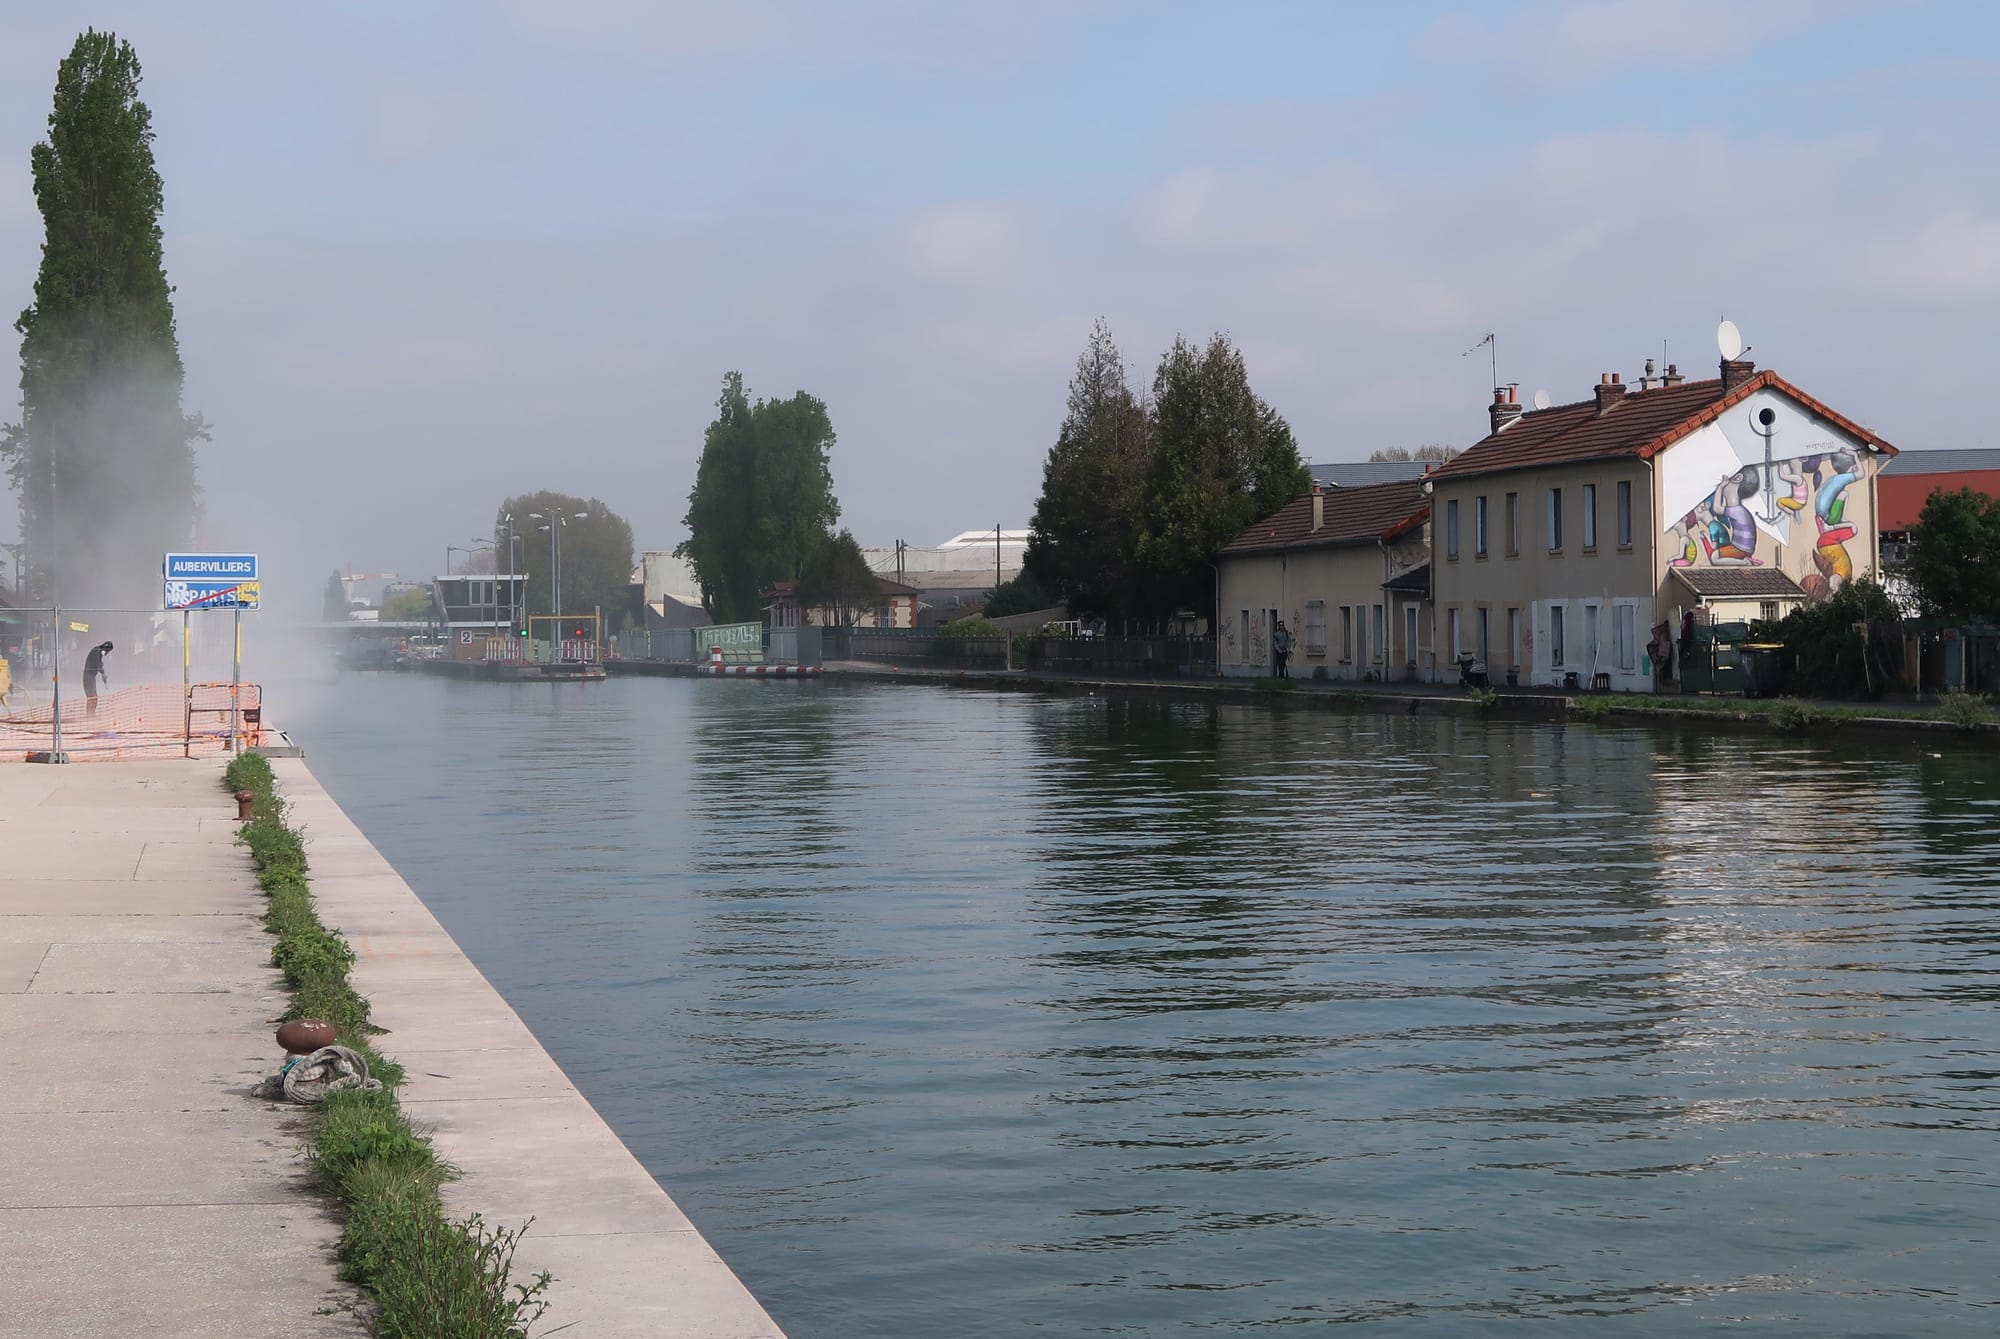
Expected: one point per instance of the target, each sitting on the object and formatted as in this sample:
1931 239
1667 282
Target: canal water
954 1013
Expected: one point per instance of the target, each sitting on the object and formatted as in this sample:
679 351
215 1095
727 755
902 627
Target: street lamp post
557 523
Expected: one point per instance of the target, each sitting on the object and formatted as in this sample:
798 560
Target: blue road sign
211 581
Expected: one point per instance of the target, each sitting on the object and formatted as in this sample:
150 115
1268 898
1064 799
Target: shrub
1590 708
1319 673
1967 711
1847 646
1792 716
977 625
1483 699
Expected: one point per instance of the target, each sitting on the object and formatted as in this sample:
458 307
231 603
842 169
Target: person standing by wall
1281 648
93 672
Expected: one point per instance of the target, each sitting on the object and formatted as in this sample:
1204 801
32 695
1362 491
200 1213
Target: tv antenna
1492 348
1729 341
1542 400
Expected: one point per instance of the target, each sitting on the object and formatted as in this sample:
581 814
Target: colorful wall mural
1768 471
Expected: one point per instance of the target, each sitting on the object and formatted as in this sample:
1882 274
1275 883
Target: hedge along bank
431 1277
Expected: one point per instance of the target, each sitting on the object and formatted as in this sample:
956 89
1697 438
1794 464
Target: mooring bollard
715 658
246 804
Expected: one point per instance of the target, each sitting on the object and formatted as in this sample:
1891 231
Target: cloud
965 242
1953 258
407 122
397 362
1589 39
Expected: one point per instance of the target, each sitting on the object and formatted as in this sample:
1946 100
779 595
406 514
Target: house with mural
1346 570
1572 545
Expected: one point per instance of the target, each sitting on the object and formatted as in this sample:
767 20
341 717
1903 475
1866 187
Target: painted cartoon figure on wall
1835 566
1732 531
1684 531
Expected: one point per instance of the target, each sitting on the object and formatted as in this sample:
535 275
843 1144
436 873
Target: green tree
406 606
333 605
1221 458
102 460
1954 563
594 548
1081 543
1847 646
836 577
762 501
1022 595
1429 451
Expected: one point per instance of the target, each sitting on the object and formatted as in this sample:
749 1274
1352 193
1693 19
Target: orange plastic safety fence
145 721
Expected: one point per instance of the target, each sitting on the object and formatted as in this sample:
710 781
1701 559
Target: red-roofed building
1569 543
1346 570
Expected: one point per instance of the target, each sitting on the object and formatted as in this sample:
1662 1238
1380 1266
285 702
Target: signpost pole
55 681
187 691
236 686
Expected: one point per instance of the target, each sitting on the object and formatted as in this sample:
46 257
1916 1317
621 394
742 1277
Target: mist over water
970 1014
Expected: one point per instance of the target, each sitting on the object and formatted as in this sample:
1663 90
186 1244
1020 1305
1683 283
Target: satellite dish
1729 339
1542 400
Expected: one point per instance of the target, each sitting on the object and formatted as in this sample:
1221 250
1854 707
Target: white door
1589 642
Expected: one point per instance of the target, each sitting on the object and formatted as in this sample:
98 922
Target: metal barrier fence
1130 657
164 689
914 647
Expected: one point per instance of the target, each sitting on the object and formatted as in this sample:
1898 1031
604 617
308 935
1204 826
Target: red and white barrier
765 671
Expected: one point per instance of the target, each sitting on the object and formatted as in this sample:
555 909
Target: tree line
1140 494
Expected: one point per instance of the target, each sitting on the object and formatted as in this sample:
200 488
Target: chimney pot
1505 411
1672 376
1610 392
1319 508
1736 371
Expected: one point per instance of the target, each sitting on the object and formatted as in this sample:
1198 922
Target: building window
1513 525
1315 627
1245 643
1479 622
1410 634
1624 641
1768 611
1451 530
1513 639
1555 520
1346 633
1479 526
1451 631
1375 635
1556 636
1624 513
1589 517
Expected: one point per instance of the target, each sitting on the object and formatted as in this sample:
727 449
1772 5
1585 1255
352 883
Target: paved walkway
628 1263
143 1190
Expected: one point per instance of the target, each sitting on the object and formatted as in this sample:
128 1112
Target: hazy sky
429 254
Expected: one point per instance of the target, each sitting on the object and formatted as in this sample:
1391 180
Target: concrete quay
143 1189
628 1263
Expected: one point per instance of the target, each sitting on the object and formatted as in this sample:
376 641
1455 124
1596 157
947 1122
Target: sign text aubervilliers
210 581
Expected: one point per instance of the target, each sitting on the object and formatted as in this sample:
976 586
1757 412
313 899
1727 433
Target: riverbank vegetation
432 1276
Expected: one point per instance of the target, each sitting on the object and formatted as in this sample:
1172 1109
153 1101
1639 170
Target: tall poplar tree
762 501
1221 459
103 457
1081 542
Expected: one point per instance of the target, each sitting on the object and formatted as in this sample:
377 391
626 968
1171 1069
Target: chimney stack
1610 393
1505 411
1646 377
1672 376
1736 371
1319 507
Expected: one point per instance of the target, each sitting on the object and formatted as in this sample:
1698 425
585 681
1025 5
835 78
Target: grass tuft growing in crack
432 1276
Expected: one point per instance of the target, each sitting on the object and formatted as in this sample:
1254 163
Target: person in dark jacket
1281 648
93 673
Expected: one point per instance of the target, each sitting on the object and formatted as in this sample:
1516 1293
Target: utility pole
996 557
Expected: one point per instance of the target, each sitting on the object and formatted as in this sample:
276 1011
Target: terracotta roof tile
1642 425
1352 515
1722 583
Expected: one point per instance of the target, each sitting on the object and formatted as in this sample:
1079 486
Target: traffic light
524 632
580 632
